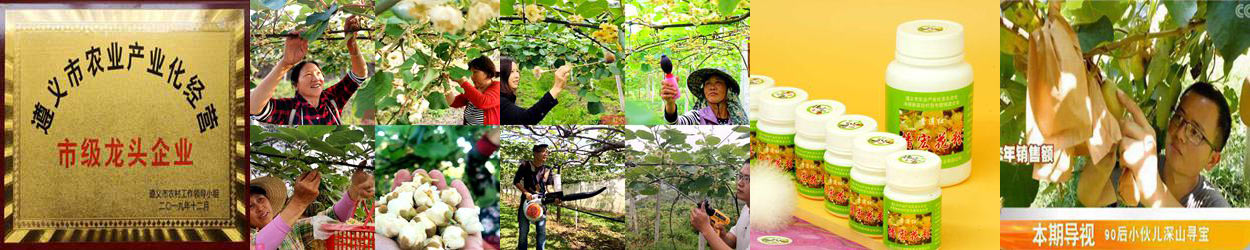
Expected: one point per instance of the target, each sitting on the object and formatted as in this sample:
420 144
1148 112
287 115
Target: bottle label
809 172
938 122
837 188
913 225
776 149
866 208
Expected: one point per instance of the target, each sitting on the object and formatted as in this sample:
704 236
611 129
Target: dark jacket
511 114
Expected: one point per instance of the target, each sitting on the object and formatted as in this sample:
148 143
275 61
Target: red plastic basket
351 236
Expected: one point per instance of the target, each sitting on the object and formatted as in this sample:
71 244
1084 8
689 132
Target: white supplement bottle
757 84
929 94
868 180
809 144
776 126
839 135
913 200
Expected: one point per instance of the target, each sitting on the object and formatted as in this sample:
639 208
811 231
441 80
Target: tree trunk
657 218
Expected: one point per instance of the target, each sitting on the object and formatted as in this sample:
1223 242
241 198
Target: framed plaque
124 125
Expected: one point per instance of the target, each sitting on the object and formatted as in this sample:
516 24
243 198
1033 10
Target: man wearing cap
531 179
277 230
717 100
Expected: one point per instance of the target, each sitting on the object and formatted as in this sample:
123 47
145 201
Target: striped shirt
297 111
473 115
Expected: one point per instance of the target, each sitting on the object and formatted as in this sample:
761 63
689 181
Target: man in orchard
531 180
739 235
1196 134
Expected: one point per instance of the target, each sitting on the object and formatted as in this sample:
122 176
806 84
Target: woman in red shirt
481 97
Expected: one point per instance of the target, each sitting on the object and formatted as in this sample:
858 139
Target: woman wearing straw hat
278 230
717 100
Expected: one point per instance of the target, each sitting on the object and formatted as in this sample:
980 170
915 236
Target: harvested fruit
419 215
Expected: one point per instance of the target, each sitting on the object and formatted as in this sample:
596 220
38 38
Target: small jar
868 180
929 94
757 84
776 126
839 135
913 200
809 141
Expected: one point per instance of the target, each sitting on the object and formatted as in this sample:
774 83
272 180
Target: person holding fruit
281 230
717 100
511 114
313 103
1196 134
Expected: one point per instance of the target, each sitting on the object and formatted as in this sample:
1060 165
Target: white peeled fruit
451 197
410 236
468 218
453 237
418 215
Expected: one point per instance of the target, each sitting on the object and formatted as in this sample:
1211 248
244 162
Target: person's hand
294 50
351 25
1138 145
473 241
528 196
561 77
558 201
362 186
306 187
698 218
669 93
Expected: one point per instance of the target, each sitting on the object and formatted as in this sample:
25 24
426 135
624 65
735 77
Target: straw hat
275 190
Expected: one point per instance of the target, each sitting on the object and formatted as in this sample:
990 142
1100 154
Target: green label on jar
913 225
777 150
837 188
866 209
938 122
809 173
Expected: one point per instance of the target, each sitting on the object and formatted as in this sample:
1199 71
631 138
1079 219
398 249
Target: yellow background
120 104
839 50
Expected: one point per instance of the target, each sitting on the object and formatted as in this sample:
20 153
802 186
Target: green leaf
394 30
282 136
316 132
437 101
1017 188
507 7
644 134
712 140
383 5
727 7
594 108
1228 30
458 73
256 134
1181 11
357 10
268 4
591 8
367 96
345 136
324 147
293 133
650 190
473 53
1093 34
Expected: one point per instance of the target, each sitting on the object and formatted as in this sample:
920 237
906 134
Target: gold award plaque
124 125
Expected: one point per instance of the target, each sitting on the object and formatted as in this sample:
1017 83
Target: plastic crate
351 236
